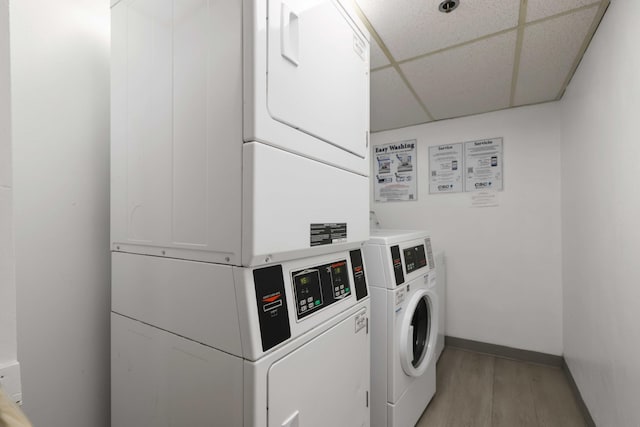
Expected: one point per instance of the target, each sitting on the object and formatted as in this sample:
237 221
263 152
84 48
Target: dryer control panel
280 302
318 287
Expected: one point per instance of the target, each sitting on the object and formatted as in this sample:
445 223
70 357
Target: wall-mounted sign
483 165
395 171
484 199
445 168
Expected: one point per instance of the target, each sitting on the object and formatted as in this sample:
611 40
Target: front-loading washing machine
198 344
404 325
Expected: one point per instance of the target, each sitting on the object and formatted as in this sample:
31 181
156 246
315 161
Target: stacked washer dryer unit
404 325
239 206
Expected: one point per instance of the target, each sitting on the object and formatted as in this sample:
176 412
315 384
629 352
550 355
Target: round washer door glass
420 331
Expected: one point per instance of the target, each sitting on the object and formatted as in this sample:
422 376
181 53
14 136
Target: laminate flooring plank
513 403
437 412
477 390
471 391
554 401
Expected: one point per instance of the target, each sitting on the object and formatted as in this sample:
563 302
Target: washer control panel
320 286
414 258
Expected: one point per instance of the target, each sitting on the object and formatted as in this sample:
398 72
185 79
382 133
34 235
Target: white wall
600 219
503 263
7 283
60 118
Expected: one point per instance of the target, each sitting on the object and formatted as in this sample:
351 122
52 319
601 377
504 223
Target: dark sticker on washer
357 269
271 301
397 265
328 234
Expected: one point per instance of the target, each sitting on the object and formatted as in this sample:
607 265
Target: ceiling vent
448 6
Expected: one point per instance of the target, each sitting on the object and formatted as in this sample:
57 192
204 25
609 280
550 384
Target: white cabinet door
323 383
318 64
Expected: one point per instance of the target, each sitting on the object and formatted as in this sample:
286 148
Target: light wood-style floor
479 390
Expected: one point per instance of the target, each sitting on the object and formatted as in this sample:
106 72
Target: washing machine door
418 333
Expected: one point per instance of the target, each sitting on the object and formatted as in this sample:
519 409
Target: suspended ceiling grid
484 56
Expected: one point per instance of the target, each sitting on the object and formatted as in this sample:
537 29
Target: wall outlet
10 381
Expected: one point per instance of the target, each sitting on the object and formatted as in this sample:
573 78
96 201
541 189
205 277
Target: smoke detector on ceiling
448 6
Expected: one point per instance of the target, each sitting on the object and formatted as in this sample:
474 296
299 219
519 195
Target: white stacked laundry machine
404 325
239 204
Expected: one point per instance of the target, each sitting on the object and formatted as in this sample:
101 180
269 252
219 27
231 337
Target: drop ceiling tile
413 27
378 58
471 79
392 103
549 51
538 9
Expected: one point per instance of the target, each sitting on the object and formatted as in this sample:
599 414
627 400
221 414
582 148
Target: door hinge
367 326
367 398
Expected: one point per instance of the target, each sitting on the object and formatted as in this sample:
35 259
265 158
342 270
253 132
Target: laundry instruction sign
483 165
466 166
395 171
445 168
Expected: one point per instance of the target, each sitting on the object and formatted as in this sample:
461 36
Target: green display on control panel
320 286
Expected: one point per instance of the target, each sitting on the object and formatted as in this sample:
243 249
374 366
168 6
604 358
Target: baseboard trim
576 392
525 356
505 352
